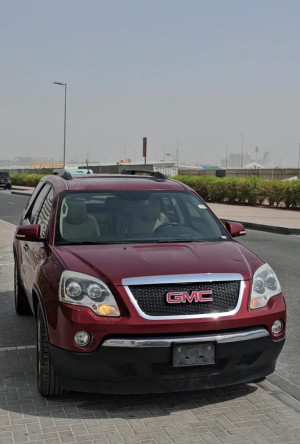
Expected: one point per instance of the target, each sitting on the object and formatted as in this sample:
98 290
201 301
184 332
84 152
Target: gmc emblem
181 297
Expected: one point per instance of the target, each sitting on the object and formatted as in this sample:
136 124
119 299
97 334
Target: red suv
137 287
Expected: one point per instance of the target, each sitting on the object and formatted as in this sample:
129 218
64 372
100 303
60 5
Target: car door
31 251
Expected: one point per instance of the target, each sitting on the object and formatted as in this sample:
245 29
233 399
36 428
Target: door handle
25 247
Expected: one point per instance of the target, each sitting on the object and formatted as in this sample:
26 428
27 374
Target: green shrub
291 194
230 189
263 190
215 190
17 179
295 193
198 183
249 190
27 180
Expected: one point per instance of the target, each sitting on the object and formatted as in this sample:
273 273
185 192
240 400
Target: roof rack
62 173
155 174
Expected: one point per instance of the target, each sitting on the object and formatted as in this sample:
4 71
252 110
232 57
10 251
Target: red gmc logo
181 297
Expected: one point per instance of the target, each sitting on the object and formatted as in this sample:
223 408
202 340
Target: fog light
82 338
277 327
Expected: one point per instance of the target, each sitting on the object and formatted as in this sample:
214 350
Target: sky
196 77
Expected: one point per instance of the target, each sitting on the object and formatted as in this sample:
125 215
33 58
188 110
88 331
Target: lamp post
65 119
242 151
299 162
256 151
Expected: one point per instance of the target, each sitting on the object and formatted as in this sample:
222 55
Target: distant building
253 165
236 160
267 161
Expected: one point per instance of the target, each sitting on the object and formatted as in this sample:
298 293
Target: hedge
28 180
245 191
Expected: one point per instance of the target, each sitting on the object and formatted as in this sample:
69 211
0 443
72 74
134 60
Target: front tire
22 306
47 381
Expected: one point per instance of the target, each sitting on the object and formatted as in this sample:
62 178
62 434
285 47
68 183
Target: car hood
114 262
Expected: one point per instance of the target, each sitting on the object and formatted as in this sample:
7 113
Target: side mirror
30 233
235 229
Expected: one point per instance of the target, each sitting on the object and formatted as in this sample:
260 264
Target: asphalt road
280 251
11 206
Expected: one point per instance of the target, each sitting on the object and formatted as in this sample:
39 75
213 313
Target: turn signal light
255 303
107 310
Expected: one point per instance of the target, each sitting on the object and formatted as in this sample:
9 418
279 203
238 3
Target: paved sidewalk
7 231
275 220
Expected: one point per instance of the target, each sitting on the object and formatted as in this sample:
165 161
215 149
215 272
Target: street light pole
299 162
65 120
256 151
242 152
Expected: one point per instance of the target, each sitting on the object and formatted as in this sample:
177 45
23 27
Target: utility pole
242 150
65 120
299 162
145 151
256 151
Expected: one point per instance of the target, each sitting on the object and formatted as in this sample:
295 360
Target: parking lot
249 413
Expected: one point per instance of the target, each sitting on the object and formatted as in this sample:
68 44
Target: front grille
151 299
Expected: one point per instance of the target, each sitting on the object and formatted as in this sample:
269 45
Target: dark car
5 181
137 287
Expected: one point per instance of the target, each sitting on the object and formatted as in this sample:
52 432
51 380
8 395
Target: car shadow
18 390
20 395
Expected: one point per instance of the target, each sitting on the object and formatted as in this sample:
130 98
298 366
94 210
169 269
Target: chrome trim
182 279
168 341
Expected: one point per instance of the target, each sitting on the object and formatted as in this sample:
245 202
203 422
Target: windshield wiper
84 243
178 240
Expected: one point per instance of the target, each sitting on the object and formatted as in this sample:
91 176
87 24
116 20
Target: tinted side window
33 213
33 196
45 212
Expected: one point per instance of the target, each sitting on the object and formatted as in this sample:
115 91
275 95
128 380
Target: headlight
81 289
265 285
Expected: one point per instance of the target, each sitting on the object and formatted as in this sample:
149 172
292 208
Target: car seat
76 223
149 218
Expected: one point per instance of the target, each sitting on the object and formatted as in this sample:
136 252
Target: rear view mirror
30 233
235 228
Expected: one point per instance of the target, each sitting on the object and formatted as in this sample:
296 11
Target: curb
285 386
273 386
22 192
268 228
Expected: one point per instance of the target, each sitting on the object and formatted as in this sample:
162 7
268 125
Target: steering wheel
165 225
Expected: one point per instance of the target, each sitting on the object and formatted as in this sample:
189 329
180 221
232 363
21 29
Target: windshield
135 217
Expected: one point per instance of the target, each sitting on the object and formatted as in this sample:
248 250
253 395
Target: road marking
21 347
12 203
3 265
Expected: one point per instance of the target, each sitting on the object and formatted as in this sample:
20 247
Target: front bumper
144 364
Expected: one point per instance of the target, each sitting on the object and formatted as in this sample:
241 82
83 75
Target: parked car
137 287
5 181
